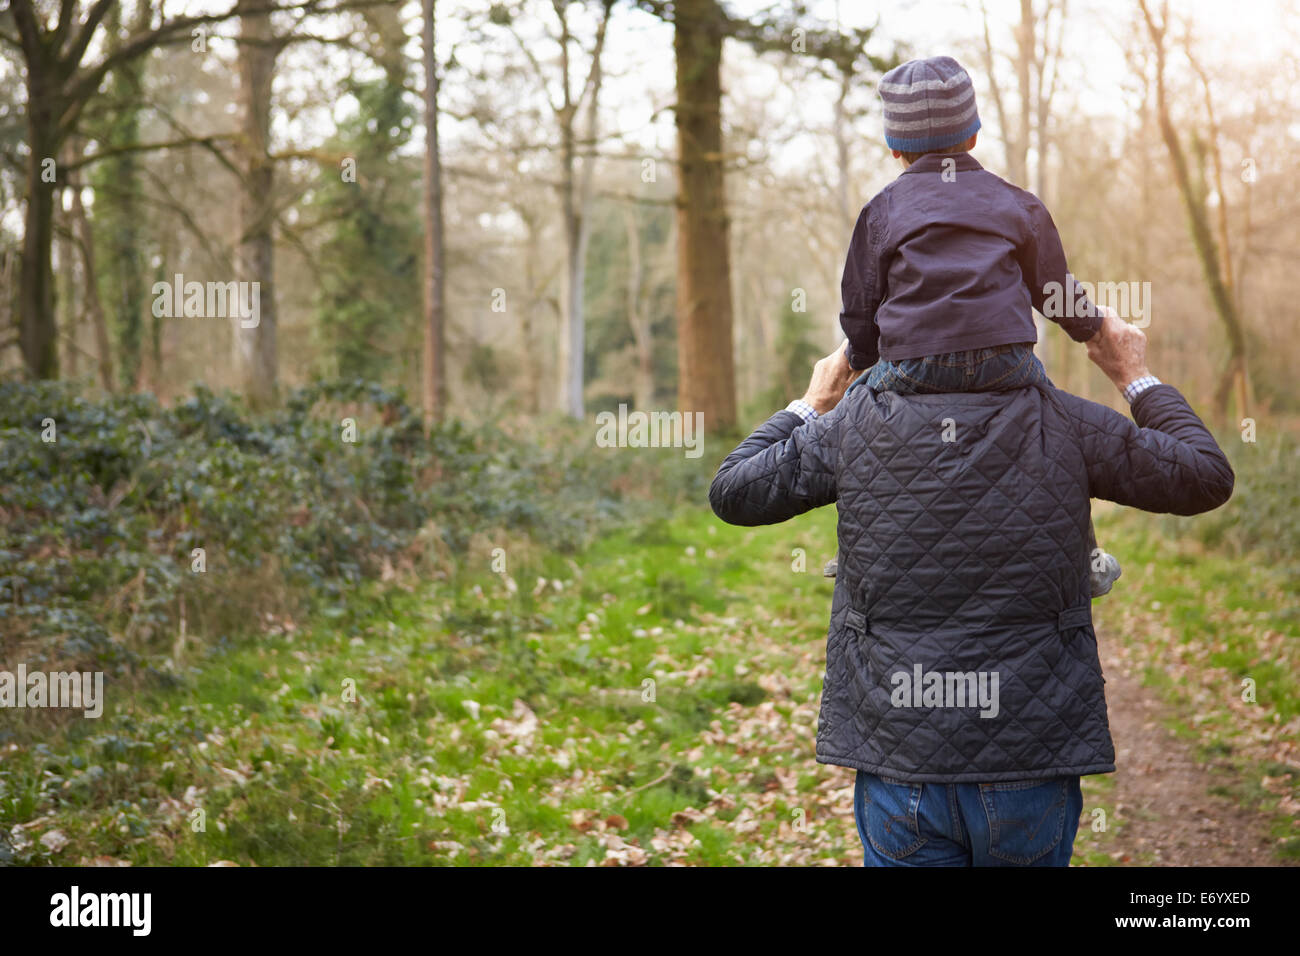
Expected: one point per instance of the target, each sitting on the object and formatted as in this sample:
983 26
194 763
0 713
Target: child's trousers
979 370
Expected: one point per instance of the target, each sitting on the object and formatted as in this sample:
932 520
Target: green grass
651 700
562 713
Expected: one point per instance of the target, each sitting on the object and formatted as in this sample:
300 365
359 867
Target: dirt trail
1162 793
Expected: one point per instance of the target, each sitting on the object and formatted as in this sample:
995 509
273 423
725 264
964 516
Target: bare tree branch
91 158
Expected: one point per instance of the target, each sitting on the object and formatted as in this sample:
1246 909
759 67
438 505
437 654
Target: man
962 676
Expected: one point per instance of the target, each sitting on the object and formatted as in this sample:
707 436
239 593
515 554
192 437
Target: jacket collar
933 163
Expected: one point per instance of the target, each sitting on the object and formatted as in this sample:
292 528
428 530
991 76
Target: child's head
929 108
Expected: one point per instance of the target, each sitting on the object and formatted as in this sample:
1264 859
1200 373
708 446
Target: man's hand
1119 350
831 377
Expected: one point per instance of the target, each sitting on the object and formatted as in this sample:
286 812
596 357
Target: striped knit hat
929 104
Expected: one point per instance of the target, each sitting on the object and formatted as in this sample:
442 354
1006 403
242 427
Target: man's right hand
831 377
1119 350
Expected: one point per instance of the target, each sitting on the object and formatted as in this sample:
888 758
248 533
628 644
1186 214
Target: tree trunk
705 362
94 305
576 203
842 132
255 347
1025 33
37 329
571 333
116 226
643 386
530 366
434 367
1236 376
70 311
1202 234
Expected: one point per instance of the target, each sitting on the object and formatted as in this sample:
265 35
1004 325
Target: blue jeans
1025 823
980 370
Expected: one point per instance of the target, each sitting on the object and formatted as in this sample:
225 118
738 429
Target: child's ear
897 154
970 143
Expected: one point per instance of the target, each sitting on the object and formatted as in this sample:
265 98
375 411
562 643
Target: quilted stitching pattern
960 555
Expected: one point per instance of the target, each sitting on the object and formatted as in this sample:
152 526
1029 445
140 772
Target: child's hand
1110 322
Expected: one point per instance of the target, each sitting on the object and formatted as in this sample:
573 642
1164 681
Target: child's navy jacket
949 257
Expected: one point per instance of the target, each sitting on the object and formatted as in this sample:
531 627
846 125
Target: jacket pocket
1026 818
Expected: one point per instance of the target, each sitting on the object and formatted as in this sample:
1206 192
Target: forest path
1163 799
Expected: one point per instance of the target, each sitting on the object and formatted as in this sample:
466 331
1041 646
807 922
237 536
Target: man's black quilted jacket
963 530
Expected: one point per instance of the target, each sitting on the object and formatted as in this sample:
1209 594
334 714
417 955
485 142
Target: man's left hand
831 377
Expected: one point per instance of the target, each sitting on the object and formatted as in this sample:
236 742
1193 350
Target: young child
946 261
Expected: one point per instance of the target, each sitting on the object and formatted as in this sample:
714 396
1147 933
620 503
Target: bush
1263 516
101 526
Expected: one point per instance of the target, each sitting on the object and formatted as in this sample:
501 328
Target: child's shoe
832 567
